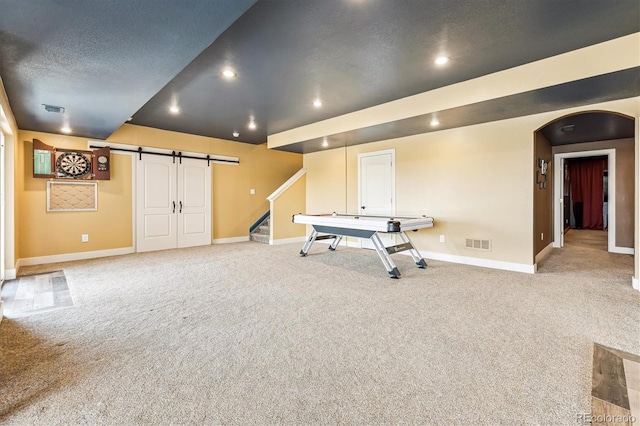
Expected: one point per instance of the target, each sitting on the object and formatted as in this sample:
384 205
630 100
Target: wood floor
616 387
594 239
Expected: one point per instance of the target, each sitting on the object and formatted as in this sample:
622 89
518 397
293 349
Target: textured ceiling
105 61
100 60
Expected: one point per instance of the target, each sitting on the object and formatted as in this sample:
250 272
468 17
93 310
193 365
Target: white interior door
194 203
156 203
376 196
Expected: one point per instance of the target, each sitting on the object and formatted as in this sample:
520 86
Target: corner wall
42 233
9 127
234 208
542 197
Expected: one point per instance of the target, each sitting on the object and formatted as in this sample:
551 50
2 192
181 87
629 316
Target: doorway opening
585 200
592 156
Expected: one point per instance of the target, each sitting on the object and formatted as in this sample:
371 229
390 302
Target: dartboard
73 164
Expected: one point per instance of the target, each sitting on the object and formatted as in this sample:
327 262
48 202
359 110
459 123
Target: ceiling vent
53 108
568 128
478 244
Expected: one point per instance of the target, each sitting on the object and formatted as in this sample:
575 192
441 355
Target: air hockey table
336 226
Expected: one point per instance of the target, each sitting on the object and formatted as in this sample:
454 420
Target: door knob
362 207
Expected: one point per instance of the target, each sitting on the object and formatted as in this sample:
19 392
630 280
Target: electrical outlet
252 191
442 238
85 238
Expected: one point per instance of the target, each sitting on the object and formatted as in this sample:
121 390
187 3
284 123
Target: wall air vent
478 244
53 108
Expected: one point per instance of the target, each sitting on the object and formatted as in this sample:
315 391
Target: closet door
156 203
194 203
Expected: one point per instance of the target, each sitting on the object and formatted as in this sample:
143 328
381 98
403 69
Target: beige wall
456 176
291 201
326 181
477 182
542 197
40 233
625 185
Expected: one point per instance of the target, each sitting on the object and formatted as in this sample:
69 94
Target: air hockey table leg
309 243
335 243
391 267
414 252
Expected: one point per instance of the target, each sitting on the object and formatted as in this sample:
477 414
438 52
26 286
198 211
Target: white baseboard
635 283
474 261
485 263
10 274
622 250
544 253
230 240
287 241
72 256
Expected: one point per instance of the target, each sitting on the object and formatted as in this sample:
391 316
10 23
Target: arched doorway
600 137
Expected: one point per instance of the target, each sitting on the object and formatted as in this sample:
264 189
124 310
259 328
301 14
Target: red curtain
587 190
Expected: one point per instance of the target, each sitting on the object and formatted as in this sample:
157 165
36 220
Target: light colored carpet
250 334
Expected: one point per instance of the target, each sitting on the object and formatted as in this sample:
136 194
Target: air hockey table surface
335 226
367 223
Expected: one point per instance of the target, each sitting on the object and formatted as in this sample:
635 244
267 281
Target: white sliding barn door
173 207
194 203
156 196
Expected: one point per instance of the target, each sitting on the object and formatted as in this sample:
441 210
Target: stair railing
284 202
259 221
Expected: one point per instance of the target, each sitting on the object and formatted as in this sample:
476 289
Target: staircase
261 232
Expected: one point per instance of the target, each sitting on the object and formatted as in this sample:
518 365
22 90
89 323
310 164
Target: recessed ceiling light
325 143
441 60
435 122
229 73
317 103
252 125
173 109
236 134
65 129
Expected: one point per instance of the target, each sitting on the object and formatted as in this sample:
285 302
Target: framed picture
72 196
